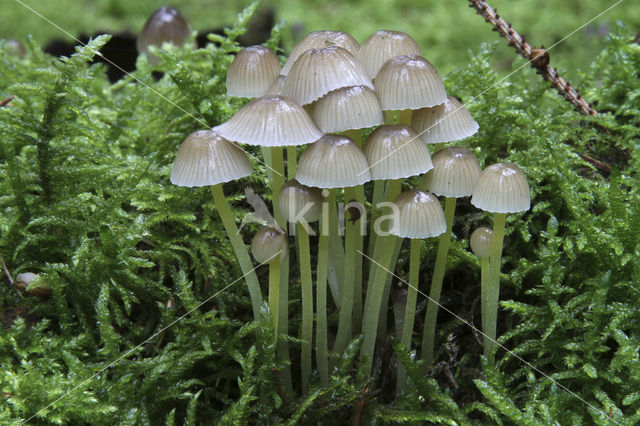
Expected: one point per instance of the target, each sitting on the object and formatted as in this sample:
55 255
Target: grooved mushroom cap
275 88
164 25
252 71
319 40
480 242
206 158
396 151
270 121
355 107
502 188
333 162
319 71
409 82
300 201
384 45
419 215
267 243
454 174
444 123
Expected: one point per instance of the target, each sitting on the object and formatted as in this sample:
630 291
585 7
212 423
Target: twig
6 270
6 101
600 165
539 58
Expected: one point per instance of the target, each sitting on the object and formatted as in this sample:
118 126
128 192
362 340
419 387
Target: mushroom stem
277 161
373 302
292 161
410 308
321 304
404 117
357 297
484 293
492 294
274 294
347 288
238 247
428 336
336 249
307 304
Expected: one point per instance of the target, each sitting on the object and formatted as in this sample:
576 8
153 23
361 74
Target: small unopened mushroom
32 284
165 25
300 205
480 242
270 246
501 189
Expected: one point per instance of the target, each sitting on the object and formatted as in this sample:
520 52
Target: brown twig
6 270
538 58
6 101
600 165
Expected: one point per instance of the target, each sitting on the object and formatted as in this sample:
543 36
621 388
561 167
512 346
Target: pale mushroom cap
206 158
384 45
165 25
270 121
480 242
320 40
333 162
267 243
454 174
355 107
252 71
297 200
396 151
420 215
409 82
502 188
275 88
319 71
444 123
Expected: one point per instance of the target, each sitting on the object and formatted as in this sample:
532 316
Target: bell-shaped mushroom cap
480 242
409 82
396 151
164 25
444 123
333 162
355 107
299 202
454 174
384 45
270 121
320 40
419 215
206 158
502 188
252 71
319 71
269 244
276 86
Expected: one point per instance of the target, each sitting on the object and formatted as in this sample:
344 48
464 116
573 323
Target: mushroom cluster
329 94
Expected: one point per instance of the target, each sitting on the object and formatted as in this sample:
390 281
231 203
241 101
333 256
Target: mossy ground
86 203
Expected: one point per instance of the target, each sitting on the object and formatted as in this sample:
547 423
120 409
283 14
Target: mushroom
501 189
480 242
270 246
454 175
300 205
165 25
252 72
384 45
318 40
207 159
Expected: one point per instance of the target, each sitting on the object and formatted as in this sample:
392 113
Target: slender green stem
266 154
292 161
378 197
484 297
277 159
246 265
322 351
384 306
372 304
410 309
404 117
437 147
389 117
306 334
347 289
493 283
336 250
429 332
357 299
274 294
